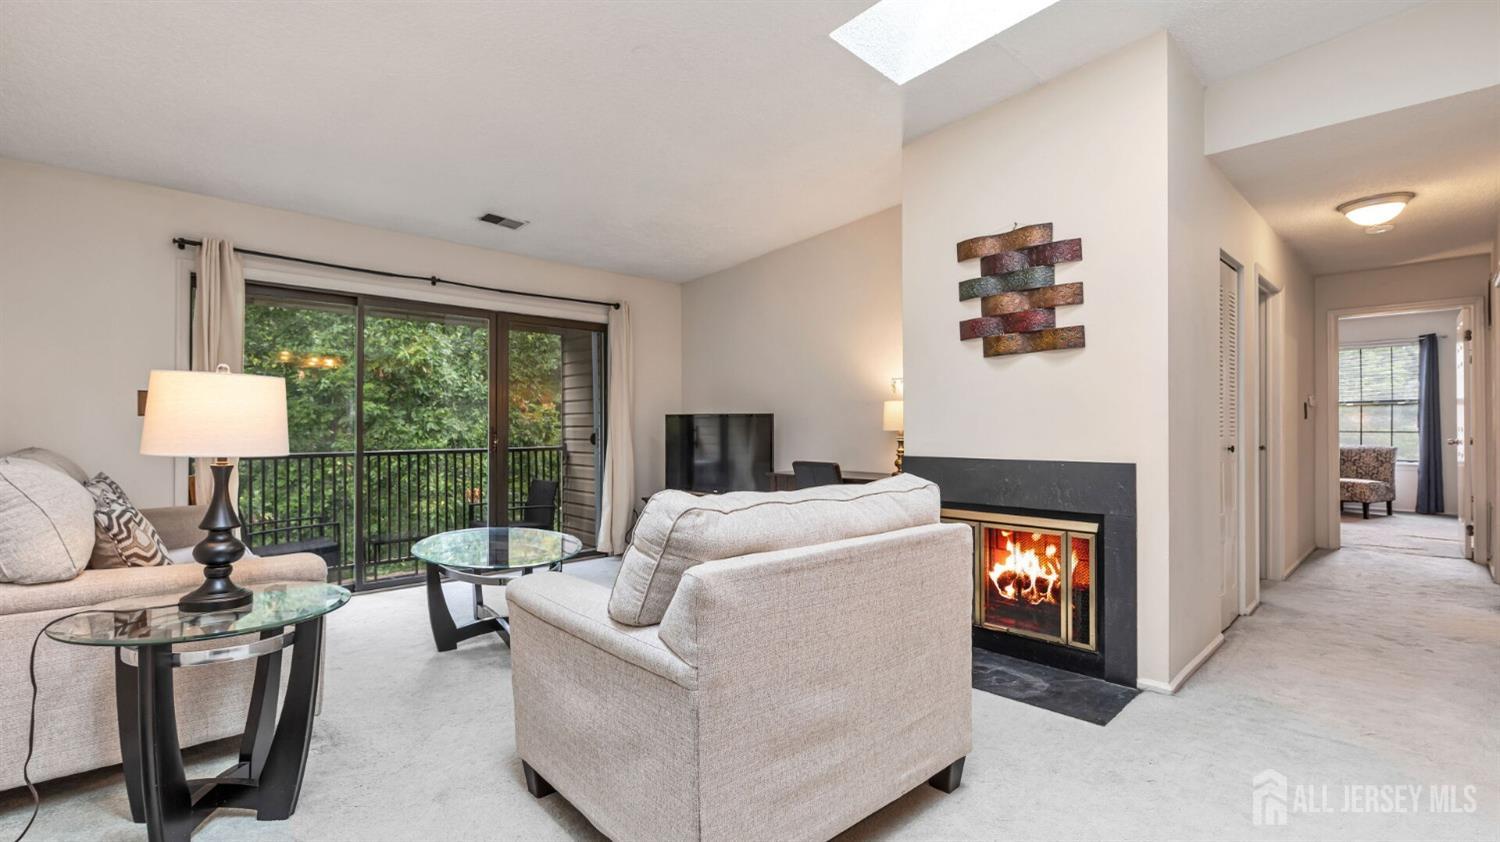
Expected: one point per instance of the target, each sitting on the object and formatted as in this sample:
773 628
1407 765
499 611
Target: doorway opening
1405 456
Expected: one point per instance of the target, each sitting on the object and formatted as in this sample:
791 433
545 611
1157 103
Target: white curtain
619 455
218 329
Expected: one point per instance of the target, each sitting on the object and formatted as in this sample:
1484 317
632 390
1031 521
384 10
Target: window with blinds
1379 387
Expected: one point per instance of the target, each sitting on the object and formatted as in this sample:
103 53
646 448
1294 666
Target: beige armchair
785 695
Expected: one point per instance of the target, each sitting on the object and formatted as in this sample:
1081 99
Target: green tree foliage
426 388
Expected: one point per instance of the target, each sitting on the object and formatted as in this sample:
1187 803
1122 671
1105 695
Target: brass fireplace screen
1034 576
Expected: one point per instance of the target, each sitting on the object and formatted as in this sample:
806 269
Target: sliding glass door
397 431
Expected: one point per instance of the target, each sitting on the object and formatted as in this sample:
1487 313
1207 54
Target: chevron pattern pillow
122 535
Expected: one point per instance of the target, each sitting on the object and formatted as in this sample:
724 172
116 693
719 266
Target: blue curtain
1430 426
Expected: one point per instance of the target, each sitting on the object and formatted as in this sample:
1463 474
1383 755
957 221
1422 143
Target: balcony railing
305 502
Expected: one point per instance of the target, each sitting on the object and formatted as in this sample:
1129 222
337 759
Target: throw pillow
123 536
46 523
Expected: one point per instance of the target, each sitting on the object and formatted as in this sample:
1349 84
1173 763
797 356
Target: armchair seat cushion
1365 491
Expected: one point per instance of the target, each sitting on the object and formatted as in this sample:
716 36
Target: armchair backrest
1368 462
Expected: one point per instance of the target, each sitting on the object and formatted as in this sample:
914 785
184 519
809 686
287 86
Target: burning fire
1022 574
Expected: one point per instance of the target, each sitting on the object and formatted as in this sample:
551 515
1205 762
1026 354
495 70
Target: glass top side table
273 753
484 556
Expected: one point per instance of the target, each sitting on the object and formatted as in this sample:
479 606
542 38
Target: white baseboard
1298 563
1183 674
1250 609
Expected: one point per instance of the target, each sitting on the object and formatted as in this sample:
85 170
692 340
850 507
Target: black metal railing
305 502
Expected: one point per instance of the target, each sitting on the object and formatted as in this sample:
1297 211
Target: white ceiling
662 138
1446 151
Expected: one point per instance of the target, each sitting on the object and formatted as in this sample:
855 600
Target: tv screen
717 453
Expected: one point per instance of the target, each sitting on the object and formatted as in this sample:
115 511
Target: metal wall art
1017 292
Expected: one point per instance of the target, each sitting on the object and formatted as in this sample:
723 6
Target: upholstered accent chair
1367 475
769 666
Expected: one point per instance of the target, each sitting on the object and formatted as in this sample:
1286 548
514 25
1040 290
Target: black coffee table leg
128 715
445 633
163 784
260 722
280 782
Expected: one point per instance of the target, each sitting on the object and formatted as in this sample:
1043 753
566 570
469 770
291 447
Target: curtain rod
433 280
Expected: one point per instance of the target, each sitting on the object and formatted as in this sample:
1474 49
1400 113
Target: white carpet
1367 667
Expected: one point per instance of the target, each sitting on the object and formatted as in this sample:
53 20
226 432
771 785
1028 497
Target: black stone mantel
1100 490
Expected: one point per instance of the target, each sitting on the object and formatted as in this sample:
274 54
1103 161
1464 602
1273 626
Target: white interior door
1229 415
1461 443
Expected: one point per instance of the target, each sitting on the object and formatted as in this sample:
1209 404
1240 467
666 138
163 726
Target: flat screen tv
717 453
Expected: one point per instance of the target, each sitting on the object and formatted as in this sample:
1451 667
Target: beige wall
810 332
93 296
1208 217
1088 153
1394 287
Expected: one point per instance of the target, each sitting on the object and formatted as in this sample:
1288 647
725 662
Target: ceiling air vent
502 221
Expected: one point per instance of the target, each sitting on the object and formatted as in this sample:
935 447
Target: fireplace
1054 558
1034 576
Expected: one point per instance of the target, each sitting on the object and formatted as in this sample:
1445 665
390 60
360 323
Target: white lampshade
895 416
213 414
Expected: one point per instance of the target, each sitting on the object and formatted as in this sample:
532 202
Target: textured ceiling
1446 151
662 138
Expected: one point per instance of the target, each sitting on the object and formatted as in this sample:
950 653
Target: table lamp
215 415
895 422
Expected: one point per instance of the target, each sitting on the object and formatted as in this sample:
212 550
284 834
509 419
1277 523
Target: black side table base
273 755
448 634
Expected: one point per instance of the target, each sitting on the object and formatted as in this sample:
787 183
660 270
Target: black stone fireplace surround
1103 492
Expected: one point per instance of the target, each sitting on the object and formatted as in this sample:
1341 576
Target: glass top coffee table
484 556
273 751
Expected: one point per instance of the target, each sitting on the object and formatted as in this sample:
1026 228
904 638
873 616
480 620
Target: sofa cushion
678 530
53 459
46 523
123 537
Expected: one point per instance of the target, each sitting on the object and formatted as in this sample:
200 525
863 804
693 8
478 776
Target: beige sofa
785 695
76 728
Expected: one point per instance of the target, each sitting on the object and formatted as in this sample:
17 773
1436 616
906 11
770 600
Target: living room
514 290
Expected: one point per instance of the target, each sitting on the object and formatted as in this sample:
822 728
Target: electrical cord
36 798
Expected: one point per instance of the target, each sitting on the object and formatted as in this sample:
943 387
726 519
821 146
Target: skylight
905 38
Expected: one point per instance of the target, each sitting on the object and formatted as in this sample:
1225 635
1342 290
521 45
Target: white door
1463 350
1229 431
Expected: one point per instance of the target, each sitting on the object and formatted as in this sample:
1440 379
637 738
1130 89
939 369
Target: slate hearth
1068 693
1097 491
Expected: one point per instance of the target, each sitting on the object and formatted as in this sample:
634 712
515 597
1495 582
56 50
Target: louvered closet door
1229 413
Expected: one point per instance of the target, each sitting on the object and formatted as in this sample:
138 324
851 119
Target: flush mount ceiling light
502 221
1373 212
905 38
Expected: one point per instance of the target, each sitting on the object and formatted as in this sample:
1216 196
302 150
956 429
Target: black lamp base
218 552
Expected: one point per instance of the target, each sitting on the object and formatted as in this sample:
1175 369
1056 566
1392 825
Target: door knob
1455 441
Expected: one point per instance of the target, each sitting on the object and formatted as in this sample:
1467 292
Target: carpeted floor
1365 668
1404 533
